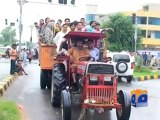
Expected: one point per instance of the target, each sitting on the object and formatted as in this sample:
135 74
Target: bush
142 69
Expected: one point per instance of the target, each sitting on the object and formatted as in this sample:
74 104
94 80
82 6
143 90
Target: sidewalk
148 77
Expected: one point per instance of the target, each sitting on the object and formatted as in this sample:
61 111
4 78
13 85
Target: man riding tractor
75 54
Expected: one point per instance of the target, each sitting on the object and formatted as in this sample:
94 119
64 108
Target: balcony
151 41
149 27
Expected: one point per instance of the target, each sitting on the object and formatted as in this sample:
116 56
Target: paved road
4 69
26 91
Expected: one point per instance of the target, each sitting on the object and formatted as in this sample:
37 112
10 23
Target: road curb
148 77
6 82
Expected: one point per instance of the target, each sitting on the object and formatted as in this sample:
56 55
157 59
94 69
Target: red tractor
97 81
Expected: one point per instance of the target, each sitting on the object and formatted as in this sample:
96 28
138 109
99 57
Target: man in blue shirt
94 52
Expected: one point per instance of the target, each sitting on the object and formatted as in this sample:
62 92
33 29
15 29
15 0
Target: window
149 34
141 20
143 33
153 21
157 34
121 57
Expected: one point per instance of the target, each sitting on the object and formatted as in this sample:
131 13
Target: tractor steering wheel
87 59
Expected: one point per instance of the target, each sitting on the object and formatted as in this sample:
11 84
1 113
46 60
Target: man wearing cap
13 57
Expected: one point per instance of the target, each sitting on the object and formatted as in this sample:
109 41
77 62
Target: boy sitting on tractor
94 52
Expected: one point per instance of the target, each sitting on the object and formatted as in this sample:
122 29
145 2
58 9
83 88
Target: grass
9 110
144 71
137 74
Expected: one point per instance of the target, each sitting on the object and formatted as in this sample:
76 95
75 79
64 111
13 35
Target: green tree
122 37
8 36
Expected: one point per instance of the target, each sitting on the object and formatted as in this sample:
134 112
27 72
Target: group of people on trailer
47 34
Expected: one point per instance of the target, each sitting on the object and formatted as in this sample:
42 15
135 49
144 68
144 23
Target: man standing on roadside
13 56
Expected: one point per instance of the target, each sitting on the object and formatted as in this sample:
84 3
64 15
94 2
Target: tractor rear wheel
125 101
58 84
66 105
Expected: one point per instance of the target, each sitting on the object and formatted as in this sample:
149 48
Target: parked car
123 64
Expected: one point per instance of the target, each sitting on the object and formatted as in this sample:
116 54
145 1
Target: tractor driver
75 54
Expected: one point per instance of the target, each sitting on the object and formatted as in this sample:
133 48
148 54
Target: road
26 91
4 68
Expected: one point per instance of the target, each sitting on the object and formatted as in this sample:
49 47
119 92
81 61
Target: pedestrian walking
149 57
29 56
24 56
144 58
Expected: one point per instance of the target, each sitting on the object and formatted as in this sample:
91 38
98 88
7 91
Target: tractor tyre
58 84
121 67
43 77
125 100
129 79
66 105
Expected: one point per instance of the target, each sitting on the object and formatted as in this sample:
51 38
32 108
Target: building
91 11
148 20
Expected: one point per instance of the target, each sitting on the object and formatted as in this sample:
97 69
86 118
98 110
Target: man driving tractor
75 54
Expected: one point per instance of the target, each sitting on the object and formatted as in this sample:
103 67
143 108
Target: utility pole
31 27
20 25
31 38
134 21
135 35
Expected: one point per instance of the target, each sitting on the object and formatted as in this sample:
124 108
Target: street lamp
134 20
31 27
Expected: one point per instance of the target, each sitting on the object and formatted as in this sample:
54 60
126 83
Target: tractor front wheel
125 101
66 105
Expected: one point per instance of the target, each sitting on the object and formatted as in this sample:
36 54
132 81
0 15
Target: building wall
152 7
89 17
91 10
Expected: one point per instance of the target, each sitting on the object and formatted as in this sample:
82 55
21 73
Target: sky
9 9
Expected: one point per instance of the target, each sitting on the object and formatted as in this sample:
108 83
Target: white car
123 64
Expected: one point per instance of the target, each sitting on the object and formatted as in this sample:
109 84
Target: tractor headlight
93 80
86 101
93 101
107 79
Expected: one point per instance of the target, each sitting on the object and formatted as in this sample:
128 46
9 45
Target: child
19 68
